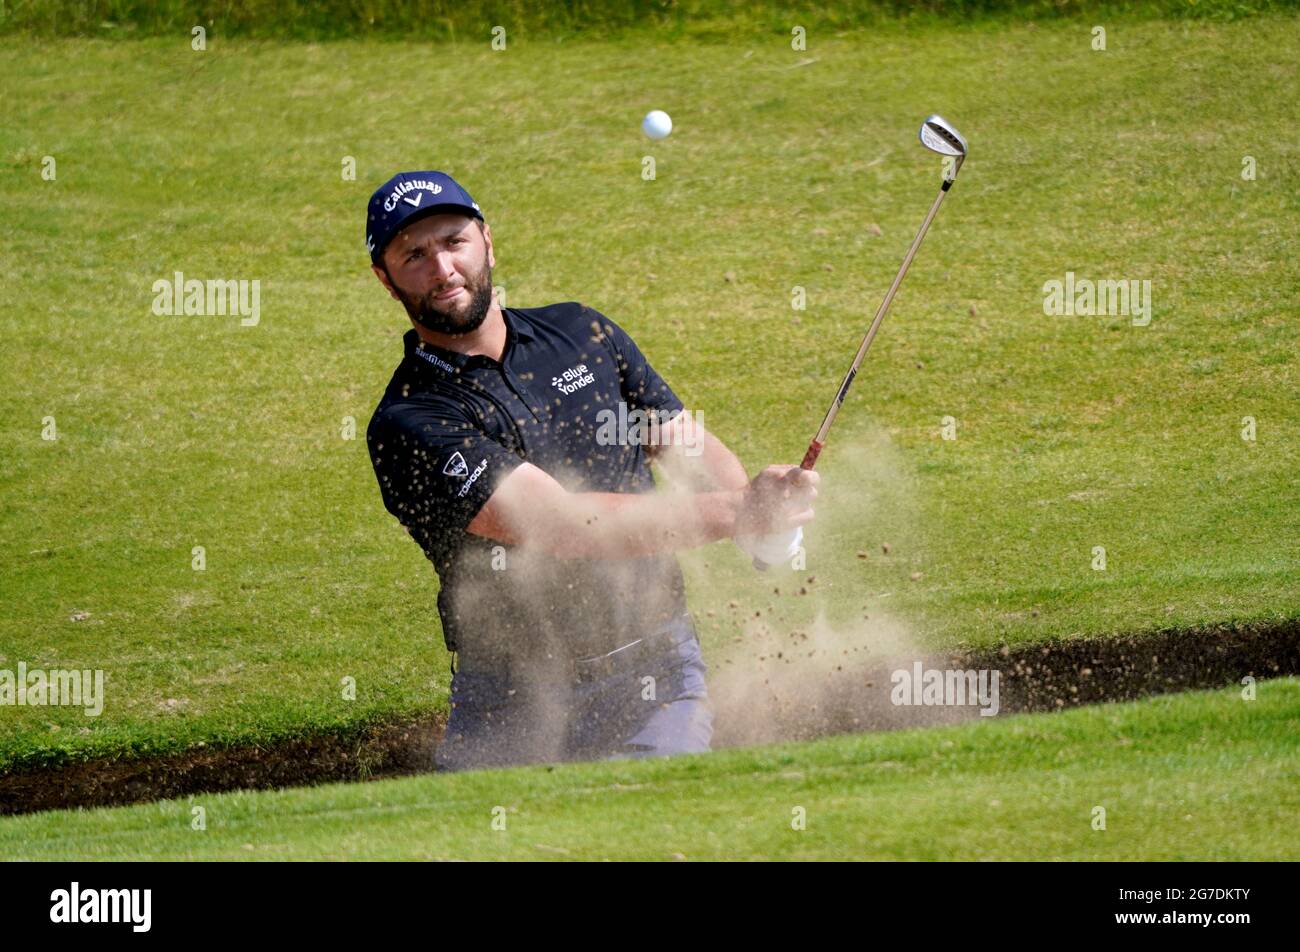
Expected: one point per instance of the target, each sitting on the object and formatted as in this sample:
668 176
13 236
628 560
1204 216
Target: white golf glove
772 549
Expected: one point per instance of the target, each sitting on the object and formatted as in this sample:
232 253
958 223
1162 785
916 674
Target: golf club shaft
819 441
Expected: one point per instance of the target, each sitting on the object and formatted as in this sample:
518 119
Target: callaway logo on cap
409 196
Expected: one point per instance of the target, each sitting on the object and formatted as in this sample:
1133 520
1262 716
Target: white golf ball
656 124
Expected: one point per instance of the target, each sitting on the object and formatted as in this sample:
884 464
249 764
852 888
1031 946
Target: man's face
440 268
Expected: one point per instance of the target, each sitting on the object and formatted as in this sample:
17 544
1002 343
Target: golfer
501 446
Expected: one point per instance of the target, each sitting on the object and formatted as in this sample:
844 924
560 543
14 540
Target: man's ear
383 279
487 236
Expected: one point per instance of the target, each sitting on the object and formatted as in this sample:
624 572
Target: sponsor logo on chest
435 360
573 379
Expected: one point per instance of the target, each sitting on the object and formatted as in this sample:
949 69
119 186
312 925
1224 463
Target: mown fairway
1072 432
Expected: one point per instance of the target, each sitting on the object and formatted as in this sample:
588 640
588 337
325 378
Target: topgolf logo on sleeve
473 478
456 466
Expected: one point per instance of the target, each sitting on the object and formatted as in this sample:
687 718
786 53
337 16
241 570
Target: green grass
1198 776
559 20
176 432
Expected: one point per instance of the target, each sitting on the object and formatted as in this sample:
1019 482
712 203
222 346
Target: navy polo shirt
451 427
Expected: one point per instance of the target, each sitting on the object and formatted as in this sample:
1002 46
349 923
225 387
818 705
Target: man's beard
425 311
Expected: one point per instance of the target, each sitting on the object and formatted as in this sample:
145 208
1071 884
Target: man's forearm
711 467
530 509
721 465
629 525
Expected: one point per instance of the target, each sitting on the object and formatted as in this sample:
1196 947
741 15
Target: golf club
937 135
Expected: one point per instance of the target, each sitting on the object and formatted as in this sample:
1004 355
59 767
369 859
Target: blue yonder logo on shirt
573 379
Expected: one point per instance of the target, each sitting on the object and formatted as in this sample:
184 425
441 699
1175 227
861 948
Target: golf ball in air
656 124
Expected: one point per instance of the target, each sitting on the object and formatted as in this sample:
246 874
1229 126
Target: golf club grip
810 458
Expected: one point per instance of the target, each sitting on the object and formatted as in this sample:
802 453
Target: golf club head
939 135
